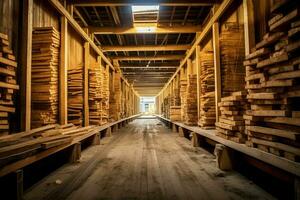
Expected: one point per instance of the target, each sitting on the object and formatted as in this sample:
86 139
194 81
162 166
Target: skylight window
145 17
144 8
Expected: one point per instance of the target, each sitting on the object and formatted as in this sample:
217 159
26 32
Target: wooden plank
86 83
8 62
145 48
277 132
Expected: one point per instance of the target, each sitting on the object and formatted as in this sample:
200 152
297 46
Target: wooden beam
80 17
137 58
63 73
144 30
57 5
26 56
146 48
217 67
152 67
198 72
142 2
86 83
222 8
249 27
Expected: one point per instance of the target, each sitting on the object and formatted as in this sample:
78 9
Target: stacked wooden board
183 90
95 96
44 83
175 113
272 80
75 96
105 96
20 145
231 124
191 111
166 107
232 52
115 101
207 90
8 84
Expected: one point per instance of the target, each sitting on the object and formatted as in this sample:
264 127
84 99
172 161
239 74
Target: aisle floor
145 160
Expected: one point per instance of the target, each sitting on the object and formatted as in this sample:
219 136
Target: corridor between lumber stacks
145 160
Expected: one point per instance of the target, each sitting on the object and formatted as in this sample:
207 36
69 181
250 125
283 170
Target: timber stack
8 84
183 90
231 125
45 62
75 96
191 112
207 91
16 146
105 96
95 96
232 56
273 73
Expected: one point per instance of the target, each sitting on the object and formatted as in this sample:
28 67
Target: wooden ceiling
147 58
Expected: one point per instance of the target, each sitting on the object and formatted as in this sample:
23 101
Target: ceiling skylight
145 8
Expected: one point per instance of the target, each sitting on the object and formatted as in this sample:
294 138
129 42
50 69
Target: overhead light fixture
145 29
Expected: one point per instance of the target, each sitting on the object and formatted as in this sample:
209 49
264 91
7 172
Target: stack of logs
191 111
232 56
231 124
207 93
95 96
273 73
7 83
45 62
183 89
75 96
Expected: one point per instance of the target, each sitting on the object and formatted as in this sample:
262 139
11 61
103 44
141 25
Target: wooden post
26 56
96 139
86 83
174 129
198 71
195 142
249 28
108 132
297 188
19 184
217 67
76 153
224 161
63 73
180 131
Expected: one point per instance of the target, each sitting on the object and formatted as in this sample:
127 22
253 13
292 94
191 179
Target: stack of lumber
207 91
183 88
21 145
95 96
8 84
272 80
116 98
105 96
232 56
44 83
175 113
75 96
231 124
191 117
175 99
166 107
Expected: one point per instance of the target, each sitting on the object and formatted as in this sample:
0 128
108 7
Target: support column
249 28
63 73
217 67
86 83
198 71
26 56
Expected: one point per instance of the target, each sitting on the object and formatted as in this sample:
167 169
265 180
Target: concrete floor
145 160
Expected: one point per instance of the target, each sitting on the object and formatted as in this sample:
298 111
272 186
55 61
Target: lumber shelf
276 161
36 157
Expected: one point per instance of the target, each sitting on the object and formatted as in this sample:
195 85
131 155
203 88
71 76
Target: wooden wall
76 49
44 15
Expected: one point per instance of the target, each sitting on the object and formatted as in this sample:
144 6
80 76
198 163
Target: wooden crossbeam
163 57
152 67
144 30
143 2
146 48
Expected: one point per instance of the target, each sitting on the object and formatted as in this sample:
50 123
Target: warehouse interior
149 99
